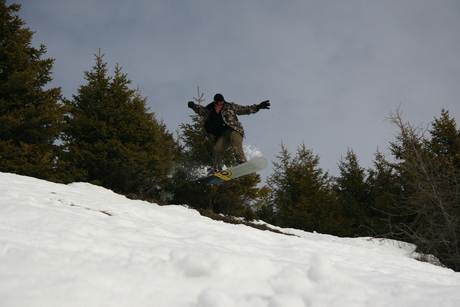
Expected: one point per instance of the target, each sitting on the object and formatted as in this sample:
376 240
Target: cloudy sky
333 70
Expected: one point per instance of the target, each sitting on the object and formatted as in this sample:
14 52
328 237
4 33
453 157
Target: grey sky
333 70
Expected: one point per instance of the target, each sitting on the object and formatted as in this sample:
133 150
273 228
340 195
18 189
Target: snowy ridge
83 245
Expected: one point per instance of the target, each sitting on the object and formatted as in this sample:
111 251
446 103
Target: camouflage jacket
229 114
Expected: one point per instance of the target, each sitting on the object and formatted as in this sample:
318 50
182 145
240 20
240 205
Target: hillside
83 245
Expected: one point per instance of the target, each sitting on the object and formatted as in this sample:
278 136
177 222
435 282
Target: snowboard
251 166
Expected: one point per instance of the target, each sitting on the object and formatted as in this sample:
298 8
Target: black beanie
218 97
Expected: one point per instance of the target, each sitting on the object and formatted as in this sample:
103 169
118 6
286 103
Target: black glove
264 105
191 104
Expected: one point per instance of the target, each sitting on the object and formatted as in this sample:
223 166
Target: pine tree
112 139
445 138
385 191
353 193
303 196
30 116
431 189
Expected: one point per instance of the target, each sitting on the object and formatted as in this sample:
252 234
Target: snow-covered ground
82 245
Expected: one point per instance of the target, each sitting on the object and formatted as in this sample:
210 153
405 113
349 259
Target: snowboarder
223 127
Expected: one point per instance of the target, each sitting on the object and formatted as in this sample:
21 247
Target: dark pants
230 138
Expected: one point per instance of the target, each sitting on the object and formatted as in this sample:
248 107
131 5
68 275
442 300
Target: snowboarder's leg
236 141
219 149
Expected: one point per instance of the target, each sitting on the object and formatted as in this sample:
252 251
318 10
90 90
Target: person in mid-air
223 127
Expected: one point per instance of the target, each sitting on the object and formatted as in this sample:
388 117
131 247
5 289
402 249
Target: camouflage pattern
229 114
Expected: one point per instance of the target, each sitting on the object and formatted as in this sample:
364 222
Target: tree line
105 134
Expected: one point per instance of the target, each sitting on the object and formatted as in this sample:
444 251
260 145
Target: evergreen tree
113 140
385 191
353 193
303 196
431 186
445 138
30 116
197 148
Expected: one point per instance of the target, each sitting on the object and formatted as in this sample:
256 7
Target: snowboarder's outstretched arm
245 110
198 109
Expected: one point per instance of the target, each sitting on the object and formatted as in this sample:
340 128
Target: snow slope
82 245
